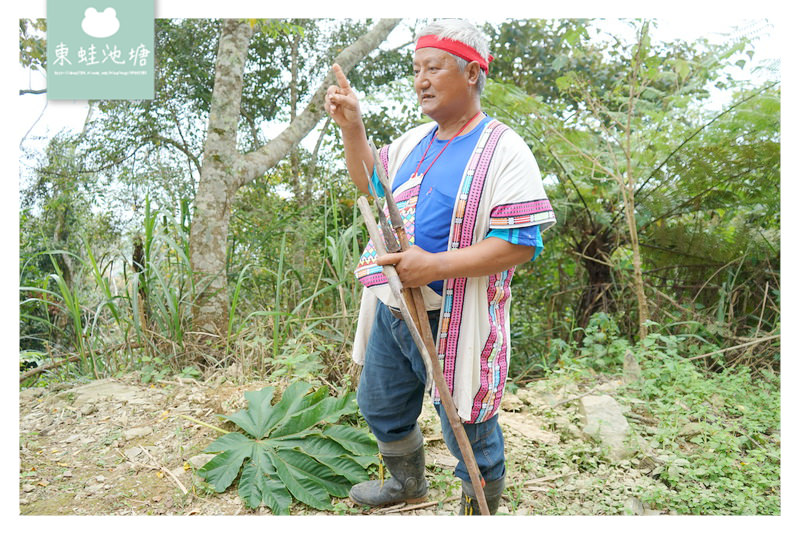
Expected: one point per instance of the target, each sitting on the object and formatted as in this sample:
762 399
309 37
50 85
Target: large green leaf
327 410
332 454
223 469
356 441
255 419
291 449
259 484
301 486
290 402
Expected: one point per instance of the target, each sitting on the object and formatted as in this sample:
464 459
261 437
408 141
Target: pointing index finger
340 77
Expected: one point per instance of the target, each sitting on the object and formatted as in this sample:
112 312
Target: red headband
456 48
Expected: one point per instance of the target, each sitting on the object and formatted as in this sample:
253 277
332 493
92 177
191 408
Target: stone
529 397
135 433
139 401
634 507
27 395
87 409
179 472
198 461
93 489
530 427
511 402
434 458
102 390
609 387
647 463
604 422
133 453
630 369
691 429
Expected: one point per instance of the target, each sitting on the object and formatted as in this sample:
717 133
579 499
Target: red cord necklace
416 172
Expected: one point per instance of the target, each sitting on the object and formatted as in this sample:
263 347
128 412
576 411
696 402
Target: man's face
443 90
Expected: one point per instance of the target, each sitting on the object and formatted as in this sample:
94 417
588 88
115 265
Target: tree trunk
628 187
225 170
209 233
60 238
638 278
294 157
595 251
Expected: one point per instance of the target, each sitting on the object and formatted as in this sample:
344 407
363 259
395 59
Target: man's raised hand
341 102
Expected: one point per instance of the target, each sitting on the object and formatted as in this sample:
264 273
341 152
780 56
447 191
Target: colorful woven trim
367 271
465 218
521 214
494 357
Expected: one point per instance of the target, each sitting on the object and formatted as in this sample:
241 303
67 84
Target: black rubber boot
493 491
405 460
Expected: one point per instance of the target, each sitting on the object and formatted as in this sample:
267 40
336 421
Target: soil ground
121 447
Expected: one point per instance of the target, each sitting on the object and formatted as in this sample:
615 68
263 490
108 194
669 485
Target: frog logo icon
100 25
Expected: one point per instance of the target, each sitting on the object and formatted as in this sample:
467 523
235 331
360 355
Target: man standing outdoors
474 208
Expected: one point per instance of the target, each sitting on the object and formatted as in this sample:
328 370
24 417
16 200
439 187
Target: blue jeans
392 389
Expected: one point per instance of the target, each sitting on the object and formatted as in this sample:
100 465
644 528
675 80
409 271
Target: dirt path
120 447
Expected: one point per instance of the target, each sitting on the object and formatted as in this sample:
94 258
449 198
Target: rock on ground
604 422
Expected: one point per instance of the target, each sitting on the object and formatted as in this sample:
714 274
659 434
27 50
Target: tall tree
619 138
225 170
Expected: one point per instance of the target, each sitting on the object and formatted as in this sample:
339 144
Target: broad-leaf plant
291 449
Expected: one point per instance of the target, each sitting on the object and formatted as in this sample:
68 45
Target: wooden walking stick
392 246
414 309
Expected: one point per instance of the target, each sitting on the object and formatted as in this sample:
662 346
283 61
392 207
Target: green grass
720 435
712 440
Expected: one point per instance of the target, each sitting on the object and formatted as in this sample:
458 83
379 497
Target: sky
678 19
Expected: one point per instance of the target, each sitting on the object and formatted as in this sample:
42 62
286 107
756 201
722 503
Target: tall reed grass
122 315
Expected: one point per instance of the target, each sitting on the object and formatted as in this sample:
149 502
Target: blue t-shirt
438 191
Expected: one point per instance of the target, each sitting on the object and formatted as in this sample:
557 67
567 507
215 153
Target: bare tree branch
255 163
